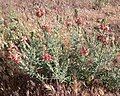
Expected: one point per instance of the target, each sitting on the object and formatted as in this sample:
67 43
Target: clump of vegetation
65 53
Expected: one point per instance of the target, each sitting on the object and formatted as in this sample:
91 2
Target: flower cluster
103 39
104 27
14 54
47 57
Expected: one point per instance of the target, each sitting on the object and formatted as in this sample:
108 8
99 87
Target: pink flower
84 51
47 57
13 53
15 58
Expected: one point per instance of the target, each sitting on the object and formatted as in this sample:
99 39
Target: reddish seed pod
40 13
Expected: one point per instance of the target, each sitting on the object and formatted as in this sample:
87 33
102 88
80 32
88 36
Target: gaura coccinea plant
90 55
93 54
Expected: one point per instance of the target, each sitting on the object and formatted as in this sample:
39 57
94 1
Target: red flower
84 51
103 39
104 27
47 57
40 13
